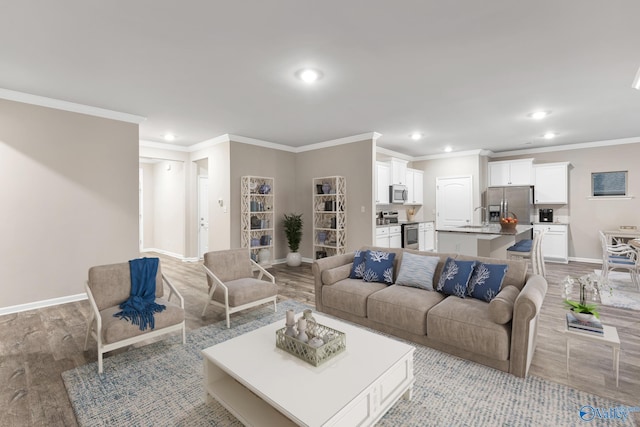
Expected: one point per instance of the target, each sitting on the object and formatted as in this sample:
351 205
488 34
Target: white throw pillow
417 271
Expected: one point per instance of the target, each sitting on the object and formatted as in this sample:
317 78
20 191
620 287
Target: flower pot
583 317
294 259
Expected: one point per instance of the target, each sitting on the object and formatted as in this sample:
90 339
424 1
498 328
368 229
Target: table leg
616 362
568 350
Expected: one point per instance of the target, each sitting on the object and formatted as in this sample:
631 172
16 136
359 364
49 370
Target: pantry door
454 201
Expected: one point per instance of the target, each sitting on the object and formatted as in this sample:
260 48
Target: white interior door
203 215
454 201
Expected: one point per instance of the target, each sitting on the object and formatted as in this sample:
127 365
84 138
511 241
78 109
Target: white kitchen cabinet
551 183
426 237
510 172
429 236
383 180
395 236
382 237
415 185
555 243
398 171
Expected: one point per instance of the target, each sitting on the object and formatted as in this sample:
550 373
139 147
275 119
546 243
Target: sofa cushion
455 276
403 307
115 329
245 290
516 273
379 267
486 281
465 324
417 271
350 295
357 269
333 275
501 307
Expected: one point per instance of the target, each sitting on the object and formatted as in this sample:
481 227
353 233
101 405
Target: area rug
161 385
624 294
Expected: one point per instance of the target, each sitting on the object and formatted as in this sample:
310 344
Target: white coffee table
265 386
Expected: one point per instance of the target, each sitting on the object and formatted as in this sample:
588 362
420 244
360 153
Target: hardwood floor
36 346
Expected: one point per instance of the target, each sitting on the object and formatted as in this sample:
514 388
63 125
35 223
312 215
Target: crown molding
261 143
258 142
452 154
578 146
58 104
396 154
163 146
340 141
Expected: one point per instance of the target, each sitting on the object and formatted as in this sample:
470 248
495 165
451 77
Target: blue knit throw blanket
141 305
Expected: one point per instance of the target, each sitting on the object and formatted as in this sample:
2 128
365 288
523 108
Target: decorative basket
508 225
335 342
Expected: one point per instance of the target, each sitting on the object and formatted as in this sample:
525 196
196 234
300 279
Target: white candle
290 318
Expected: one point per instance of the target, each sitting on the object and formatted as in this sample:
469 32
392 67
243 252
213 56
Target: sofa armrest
524 327
323 264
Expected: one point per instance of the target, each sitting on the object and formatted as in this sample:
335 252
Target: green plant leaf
293 230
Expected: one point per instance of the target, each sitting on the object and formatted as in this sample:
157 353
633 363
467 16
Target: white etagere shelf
329 216
258 218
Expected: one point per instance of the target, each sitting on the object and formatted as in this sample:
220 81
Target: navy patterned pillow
379 267
357 270
455 276
486 281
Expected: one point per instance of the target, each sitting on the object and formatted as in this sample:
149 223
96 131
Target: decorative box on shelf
335 342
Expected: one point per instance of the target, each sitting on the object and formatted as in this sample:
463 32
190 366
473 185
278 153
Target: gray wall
69 199
354 161
253 160
586 216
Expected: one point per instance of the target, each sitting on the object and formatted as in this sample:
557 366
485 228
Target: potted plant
293 231
583 310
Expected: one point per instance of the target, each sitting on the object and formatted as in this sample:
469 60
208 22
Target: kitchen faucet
483 218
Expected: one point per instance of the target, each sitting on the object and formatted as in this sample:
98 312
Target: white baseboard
41 304
163 252
587 260
284 260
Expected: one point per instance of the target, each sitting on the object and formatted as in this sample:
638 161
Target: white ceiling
464 72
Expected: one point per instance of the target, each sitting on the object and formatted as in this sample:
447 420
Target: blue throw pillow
379 267
486 281
417 271
357 270
455 276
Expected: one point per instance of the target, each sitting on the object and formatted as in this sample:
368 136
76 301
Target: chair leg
184 333
206 304
228 318
275 305
89 326
99 361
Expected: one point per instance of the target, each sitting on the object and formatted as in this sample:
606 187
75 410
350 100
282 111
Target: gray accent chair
232 284
109 286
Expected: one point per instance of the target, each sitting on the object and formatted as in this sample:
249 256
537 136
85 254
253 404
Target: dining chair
531 249
619 256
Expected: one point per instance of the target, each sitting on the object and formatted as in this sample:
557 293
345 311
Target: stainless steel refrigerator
506 201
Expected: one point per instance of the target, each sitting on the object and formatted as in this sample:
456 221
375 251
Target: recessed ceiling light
448 149
169 137
549 135
416 136
309 75
539 115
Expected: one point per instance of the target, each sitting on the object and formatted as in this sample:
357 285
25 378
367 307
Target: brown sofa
500 334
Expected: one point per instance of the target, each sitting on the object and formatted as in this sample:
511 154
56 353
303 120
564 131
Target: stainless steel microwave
397 193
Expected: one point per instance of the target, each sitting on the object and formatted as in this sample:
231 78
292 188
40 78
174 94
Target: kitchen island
486 241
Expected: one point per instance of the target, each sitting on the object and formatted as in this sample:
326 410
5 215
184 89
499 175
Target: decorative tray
335 342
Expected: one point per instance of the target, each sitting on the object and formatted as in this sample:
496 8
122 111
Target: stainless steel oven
410 235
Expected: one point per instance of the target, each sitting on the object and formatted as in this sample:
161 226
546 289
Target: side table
609 337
